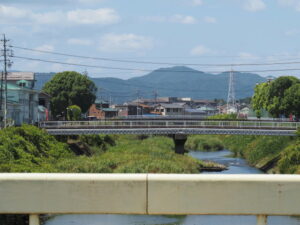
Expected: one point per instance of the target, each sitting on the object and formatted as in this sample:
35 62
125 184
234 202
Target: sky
129 38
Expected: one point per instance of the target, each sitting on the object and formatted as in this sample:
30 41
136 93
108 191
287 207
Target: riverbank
30 149
271 154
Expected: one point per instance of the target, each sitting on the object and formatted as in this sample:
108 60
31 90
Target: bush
204 143
290 159
29 149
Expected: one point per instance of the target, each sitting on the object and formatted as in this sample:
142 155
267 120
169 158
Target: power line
147 70
159 63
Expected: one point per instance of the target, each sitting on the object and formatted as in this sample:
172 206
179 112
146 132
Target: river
235 166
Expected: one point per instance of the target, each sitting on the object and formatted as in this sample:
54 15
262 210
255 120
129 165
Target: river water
235 166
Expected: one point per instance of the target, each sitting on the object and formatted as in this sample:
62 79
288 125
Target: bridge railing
170 123
150 194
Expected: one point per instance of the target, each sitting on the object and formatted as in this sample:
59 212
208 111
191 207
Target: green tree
73 112
276 95
291 100
279 97
259 100
70 88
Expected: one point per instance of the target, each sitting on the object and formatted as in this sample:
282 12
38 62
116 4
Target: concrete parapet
149 194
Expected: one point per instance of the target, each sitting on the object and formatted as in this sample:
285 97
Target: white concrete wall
150 194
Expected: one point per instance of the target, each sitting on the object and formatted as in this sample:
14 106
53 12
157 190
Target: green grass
30 149
204 143
275 154
131 155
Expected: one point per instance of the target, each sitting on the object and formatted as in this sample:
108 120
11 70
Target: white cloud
12 12
183 19
48 17
209 19
45 47
124 43
254 5
102 16
90 1
290 3
247 56
292 32
286 2
200 50
77 41
197 2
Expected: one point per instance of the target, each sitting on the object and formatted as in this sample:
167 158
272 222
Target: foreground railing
170 124
150 194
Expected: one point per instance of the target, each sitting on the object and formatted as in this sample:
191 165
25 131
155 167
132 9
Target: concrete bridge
179 129
171 127
150 194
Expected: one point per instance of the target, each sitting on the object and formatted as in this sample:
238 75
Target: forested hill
175 81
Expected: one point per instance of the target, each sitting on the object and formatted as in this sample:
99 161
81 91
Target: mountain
176 81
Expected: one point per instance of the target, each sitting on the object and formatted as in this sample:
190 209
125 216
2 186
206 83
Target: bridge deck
171 127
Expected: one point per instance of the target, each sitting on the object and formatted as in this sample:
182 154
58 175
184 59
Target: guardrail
170 124
150 194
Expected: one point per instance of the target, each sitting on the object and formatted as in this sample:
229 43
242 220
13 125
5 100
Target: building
102 110
22 104
197 103
209 110
26 78
171 109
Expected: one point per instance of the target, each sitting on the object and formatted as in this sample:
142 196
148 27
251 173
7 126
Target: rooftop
20 76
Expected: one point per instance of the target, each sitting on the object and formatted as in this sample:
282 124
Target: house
22 103
197 103
194 112
171 109
26 78
102 110
138 109
209 110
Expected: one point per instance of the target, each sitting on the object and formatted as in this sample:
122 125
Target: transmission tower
6 54
231 103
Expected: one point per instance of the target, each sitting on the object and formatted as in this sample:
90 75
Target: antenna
231 103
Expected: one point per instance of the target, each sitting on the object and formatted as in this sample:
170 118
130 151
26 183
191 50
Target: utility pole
6 63
1 93
231 103
155 96
138 102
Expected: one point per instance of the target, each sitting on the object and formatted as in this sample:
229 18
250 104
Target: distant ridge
179 81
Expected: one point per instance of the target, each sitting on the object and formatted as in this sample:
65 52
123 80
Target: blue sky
175 31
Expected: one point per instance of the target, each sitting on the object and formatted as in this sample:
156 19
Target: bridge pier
34 219
261 220
179 141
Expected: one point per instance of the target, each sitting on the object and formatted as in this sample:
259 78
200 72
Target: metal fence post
34 219
261 220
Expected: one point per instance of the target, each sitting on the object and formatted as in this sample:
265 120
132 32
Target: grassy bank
29 149
272 154
205 143
132 155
